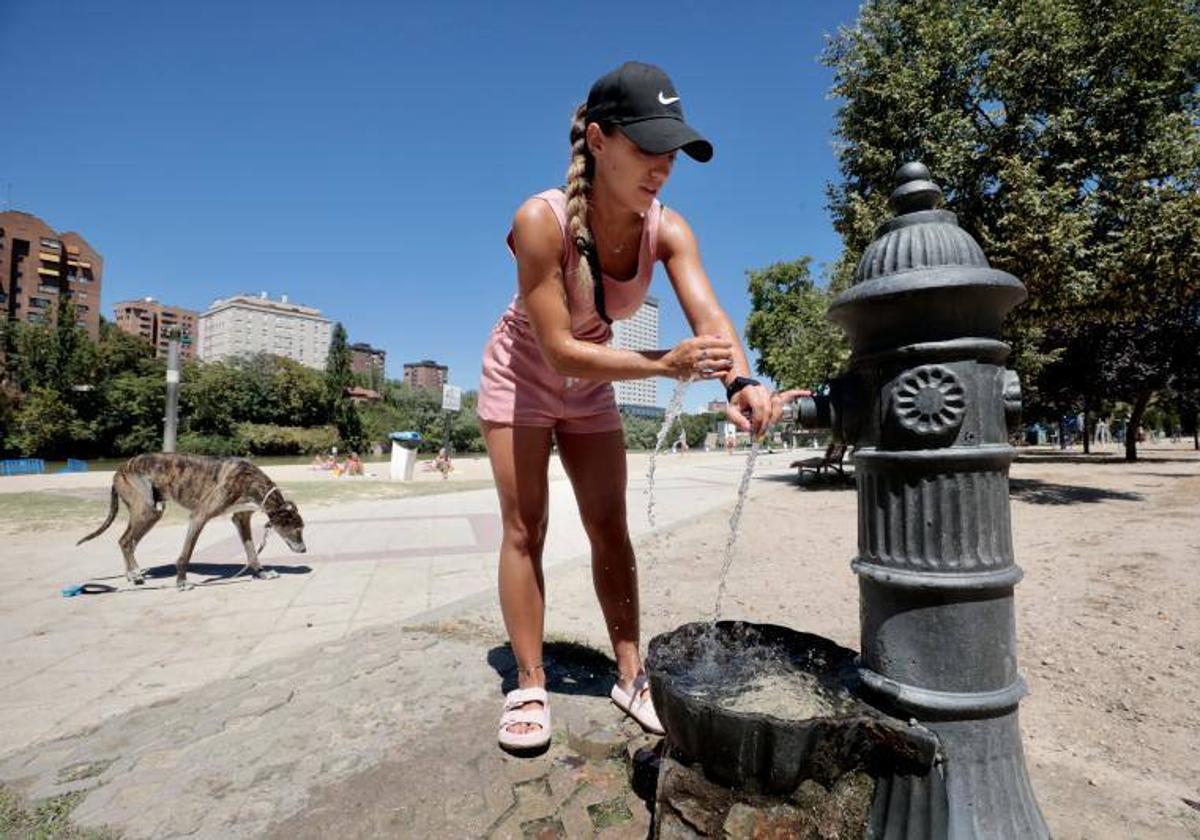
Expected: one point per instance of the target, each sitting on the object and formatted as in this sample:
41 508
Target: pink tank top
621 297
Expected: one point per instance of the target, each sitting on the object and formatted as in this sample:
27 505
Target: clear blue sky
365 158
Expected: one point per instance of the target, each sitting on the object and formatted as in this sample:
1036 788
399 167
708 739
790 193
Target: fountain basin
763 708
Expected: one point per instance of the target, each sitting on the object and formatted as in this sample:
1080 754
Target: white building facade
638 333
244 325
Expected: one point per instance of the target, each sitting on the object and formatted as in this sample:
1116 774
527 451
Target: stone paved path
373 720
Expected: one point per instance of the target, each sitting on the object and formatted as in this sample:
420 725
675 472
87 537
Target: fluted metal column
927 395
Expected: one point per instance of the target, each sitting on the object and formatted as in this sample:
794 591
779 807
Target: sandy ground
1107 618
1108 628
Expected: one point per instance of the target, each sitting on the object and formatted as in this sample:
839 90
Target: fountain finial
919 235
916 190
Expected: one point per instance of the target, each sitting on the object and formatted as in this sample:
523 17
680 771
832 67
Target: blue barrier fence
74 465
22 466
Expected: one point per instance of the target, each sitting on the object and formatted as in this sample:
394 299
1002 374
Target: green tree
338 378
297 394
1064 134
214 397
46 425
698 426
8 412
71 346
797 345
119 352
338 375
34 360
130 421
640 432
60 356
466 435
419 410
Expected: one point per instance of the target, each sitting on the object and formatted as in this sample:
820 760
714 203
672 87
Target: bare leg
520 456
596 466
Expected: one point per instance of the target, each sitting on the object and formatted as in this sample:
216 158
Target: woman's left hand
755 409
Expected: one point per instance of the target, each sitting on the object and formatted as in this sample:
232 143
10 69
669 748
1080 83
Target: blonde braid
579 184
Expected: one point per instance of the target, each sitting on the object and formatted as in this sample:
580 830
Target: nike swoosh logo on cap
667 100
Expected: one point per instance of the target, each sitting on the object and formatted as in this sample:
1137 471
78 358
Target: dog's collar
263 503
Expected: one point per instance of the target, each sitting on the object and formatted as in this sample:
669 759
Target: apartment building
425 374
39 266
369 360
245 325
639 396
152 320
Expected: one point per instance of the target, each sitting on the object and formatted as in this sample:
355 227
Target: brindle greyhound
207 487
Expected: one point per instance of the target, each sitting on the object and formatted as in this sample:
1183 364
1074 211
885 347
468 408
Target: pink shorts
519 388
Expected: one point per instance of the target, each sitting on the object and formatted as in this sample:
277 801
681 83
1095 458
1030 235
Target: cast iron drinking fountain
774 732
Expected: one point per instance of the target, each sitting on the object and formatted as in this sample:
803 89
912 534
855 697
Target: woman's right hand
702 357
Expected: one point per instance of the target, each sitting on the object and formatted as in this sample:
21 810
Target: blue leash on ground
89 588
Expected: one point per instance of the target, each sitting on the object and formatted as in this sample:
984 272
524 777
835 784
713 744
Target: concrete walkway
67 664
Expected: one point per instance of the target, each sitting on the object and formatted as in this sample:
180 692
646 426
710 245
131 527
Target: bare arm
681 255
537 240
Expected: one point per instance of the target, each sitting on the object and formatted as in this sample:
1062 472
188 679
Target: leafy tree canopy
797 345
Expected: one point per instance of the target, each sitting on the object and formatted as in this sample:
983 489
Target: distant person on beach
442 463
585 254
680 445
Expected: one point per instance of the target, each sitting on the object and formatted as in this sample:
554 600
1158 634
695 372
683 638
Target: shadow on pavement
1097 458
571 668
813 482
221 570
1045 493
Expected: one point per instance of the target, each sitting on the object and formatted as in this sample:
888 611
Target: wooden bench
827 464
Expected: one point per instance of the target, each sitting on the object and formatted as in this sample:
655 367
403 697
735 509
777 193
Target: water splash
674 409
734 521
736 666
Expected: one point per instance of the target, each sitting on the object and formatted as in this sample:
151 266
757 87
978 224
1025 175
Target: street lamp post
172 417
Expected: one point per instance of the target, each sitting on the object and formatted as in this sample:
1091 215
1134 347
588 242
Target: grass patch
611 812
336 491
23 513
27 512
49 819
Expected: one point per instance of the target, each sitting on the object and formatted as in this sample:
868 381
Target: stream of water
674 409
734 521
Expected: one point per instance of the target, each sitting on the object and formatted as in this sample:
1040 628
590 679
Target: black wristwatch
738 383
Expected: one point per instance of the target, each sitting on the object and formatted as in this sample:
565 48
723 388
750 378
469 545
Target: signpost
451 401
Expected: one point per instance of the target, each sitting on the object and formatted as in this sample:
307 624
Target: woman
584 255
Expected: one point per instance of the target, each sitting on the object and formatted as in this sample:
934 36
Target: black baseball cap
641 99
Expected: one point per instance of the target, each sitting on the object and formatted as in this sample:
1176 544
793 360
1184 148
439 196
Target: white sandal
638 707
513 714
